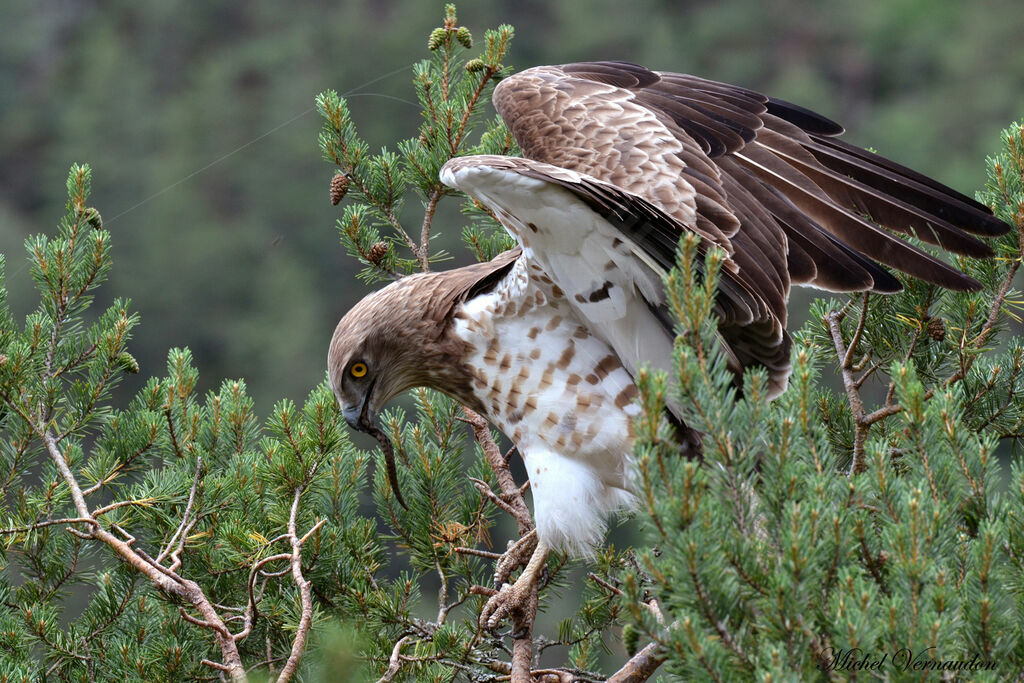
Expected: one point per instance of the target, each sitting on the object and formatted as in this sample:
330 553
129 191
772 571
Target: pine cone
465 37
128 363
936 329
474 65
339 186
377 252
93 218
437 37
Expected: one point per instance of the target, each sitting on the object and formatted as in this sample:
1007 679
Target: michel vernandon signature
902 659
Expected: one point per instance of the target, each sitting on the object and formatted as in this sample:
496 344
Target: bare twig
395 662
479 553
867 373
142 502
305 594
442 594
186 525
270 657
640 667
251 609
848 358
860 435
49 522
486 491
199 622
215 665
312 530
423 253
511 494
604 584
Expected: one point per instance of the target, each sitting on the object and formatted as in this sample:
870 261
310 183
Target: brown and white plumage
619 162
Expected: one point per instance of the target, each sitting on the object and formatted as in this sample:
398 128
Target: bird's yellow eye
358 369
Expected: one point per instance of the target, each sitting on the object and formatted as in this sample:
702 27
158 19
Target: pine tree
823 529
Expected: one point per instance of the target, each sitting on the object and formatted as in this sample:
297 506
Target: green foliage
195 484
815 526
198 487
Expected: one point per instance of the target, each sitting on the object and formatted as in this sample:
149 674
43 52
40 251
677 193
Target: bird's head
401 337
393 340
388 343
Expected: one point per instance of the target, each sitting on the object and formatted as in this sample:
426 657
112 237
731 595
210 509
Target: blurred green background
197 119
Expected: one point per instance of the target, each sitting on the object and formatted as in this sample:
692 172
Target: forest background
198 121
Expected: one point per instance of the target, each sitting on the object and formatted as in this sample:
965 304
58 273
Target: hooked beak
361 417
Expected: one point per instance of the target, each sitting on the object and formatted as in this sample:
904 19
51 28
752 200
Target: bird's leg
514 597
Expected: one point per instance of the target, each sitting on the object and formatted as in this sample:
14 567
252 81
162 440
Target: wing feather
655 154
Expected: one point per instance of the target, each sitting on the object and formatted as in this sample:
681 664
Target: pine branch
395 662
512 501
968 356
158 575
511 495
833 321
423 252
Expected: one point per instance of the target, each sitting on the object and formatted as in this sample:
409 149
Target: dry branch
640 667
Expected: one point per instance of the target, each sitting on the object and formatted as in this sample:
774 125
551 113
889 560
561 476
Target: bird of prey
618 162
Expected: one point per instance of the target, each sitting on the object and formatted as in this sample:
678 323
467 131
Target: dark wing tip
990 225
968 284
884 281
906 183
944 276
810 121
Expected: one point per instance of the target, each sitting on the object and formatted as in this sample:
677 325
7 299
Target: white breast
561 395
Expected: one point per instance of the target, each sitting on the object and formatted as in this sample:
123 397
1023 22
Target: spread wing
652 154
